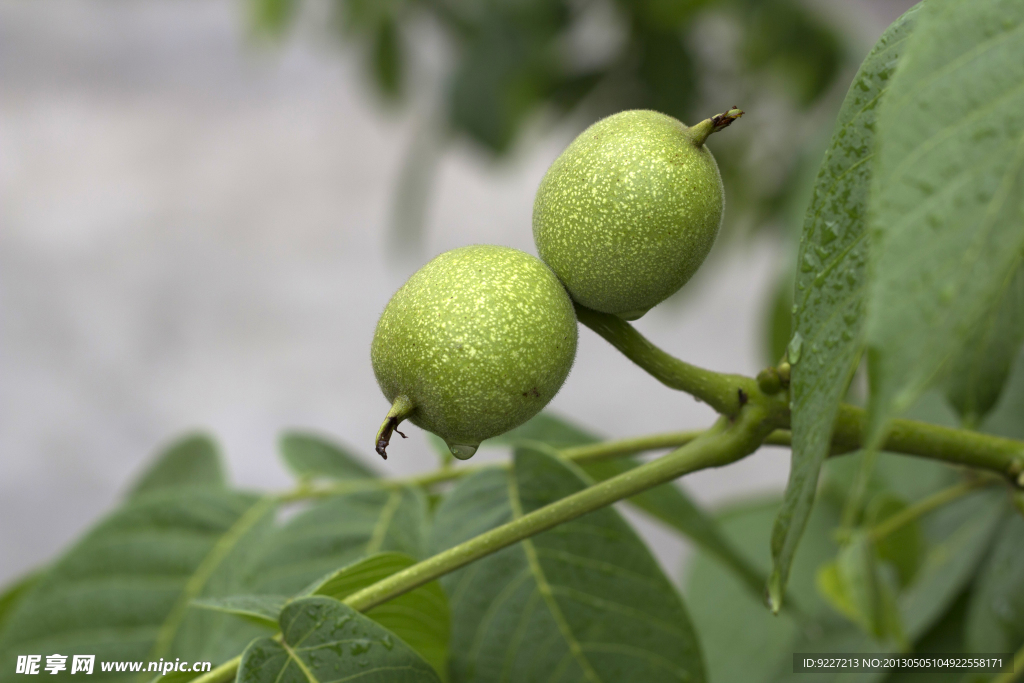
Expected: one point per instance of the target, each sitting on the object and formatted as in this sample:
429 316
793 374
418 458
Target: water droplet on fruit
462 451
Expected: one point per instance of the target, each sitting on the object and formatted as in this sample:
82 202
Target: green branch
604 450
924 506
956 446
720 391
724 443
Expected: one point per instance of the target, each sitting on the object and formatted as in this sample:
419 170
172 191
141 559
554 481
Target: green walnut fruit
630 209
474 344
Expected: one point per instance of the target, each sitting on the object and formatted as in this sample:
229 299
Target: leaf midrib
545 588
194 586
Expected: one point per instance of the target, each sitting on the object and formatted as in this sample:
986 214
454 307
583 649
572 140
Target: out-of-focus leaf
191 461
947 199
420 617
959 536
826 344
666 71
671 505
584 597
337 531
9 598
309 455
505 71
902 548
272 18
264 609
546 428
995 620
718 603
325 640
178 676
784 37
946 636
124 591
981 369
855 587
1004 420
387 58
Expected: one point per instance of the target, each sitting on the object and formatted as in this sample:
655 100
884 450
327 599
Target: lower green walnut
628 212
477 342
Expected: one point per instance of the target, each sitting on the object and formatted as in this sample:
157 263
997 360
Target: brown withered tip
721 121
390 426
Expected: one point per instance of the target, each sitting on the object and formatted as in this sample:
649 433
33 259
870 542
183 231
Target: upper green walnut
630 209
474 344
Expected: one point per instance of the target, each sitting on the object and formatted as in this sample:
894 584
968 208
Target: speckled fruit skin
480 339
628 212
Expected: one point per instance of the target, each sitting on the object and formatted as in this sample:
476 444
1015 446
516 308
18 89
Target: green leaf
981 369
191 461
671 505
387 57
959 535
325 640
420 617
123 592
272 18
947 195
1004 419
337 531
946 636
264 609
309 455
903 548
10 598
178 676
546 428
826 344
582 598
995 620
782 36
856 588
718 604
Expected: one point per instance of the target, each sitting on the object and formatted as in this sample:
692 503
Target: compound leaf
325 640
828 309
947 200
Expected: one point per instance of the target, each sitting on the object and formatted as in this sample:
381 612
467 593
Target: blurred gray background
194 235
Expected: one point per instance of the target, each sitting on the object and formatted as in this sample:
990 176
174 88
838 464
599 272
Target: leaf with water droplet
978 373
308 630
796 344
946 205
830 287
420 618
